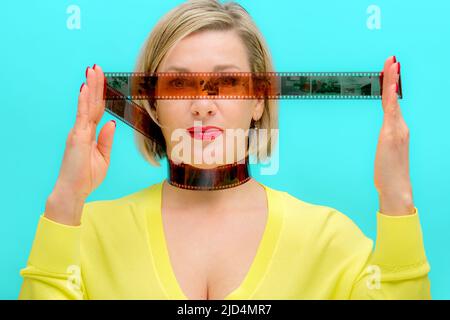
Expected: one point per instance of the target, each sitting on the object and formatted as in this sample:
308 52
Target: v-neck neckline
256 272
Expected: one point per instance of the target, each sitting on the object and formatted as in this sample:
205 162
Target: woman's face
207 51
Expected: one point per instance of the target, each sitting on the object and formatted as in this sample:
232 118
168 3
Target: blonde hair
202 15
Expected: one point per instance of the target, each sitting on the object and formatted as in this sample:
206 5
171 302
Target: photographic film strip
123 89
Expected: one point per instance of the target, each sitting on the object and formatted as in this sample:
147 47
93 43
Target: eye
228 81
179 83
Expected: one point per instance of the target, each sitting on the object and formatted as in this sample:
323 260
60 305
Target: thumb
105 139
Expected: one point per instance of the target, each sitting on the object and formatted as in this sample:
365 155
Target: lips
205 132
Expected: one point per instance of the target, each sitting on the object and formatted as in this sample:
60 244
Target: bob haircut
196 16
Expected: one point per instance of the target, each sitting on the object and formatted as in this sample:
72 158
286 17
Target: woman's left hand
392 180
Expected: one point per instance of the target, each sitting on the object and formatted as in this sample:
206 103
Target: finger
82 118
92 85
394 71
388 63
386 74
392 108
105 139
100 102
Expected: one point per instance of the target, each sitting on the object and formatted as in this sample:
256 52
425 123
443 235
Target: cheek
237 113
170 117
169 112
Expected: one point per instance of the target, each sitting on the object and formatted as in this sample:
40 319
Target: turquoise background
327 148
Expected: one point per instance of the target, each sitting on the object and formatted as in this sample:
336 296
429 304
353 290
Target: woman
247 241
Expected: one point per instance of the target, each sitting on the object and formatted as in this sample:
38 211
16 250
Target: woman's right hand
85 160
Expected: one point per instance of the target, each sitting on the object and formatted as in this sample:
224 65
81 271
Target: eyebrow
216 68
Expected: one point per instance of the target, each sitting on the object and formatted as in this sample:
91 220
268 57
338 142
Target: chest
212 253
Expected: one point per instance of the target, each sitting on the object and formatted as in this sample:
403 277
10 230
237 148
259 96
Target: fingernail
114 121
94 66
396 87
82 85
398 68
381 82
87 71
394 58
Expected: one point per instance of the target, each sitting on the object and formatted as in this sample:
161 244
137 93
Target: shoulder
321 215
121 209
323 225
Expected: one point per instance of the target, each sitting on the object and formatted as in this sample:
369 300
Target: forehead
207 51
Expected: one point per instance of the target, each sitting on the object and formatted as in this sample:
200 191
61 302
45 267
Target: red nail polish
398 68
87 71
94 66
114 121
82 85
381 82
396 87
104 87
395 59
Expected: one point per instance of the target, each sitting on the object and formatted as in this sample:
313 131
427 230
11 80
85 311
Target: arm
53 269
398 267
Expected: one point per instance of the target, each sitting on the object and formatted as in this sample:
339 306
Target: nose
203 108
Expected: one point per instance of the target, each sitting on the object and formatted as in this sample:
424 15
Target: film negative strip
132 114
123 89
226 176
245 85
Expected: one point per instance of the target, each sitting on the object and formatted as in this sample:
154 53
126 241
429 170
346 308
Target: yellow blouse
307 251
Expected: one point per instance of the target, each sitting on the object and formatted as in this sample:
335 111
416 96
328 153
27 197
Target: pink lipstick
205 132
